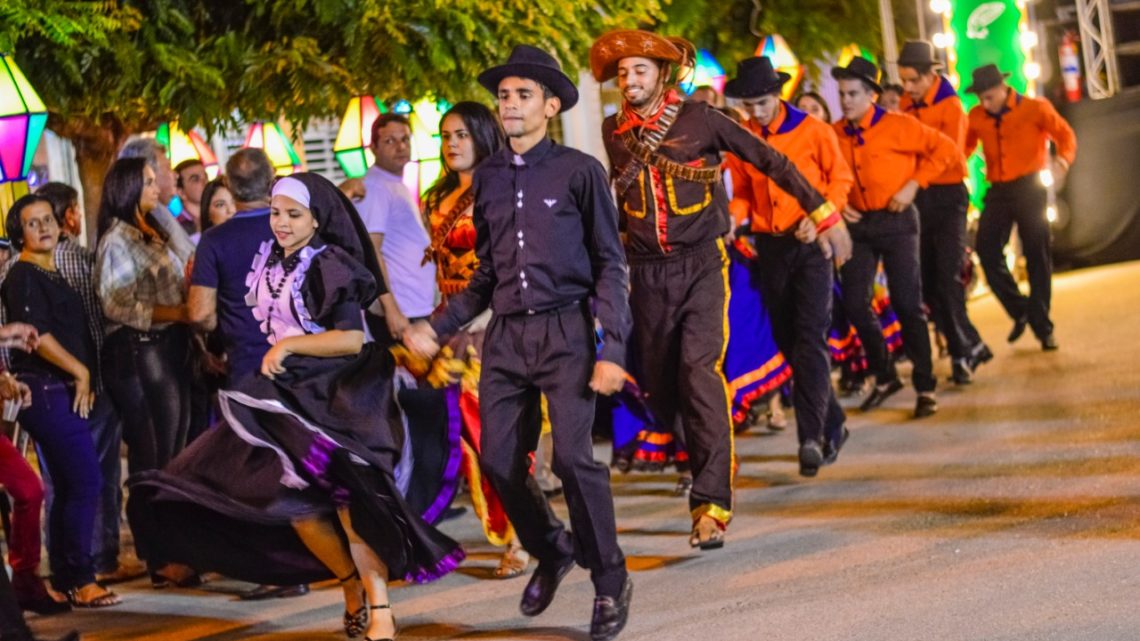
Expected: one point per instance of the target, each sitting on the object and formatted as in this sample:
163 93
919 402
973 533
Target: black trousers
942 212
147 378
524 358
680 326
1023 202
12 625
796 281
893 239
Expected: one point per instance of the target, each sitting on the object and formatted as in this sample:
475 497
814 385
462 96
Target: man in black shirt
547 240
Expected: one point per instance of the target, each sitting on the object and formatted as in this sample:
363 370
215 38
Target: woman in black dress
296 484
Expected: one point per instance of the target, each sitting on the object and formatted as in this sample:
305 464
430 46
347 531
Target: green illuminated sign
986 32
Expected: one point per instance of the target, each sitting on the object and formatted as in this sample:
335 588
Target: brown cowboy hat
613 46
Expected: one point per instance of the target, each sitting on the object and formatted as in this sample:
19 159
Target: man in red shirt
892 157
1014 131
793 270
942 208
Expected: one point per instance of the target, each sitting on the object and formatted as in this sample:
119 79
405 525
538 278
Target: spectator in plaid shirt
140 282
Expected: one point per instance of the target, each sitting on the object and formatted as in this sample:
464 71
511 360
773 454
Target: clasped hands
423 342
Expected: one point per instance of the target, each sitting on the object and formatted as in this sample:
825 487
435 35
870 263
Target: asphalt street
1012 515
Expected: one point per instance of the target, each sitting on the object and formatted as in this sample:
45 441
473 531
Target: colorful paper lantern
784 60
355 135
426 164
354 139
186 145
269 137
848 53
707 71
23 117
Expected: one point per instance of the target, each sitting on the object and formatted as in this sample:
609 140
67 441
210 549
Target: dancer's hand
274 361
851 214
353 188
805 231
608 378
19 336
835 243
903 197
421 339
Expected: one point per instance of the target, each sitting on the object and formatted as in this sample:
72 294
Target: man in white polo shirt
400 238
398 230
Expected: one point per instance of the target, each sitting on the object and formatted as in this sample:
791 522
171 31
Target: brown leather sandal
707 534
513 563
104 600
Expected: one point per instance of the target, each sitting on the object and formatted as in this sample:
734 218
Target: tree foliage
111 68
130 64
814 29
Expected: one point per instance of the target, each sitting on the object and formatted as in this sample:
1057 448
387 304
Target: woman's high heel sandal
386 606
355 622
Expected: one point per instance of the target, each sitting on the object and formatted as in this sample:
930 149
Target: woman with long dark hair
141 288
469 133
814 104
296 484
218 204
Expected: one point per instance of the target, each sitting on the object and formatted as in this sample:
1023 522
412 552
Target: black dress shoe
811 457
543 584
831 451
262 592
610 614
926 405
979 355
880 394
1049 343
961 373
1018 329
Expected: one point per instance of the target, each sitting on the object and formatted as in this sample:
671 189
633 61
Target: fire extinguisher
1070 67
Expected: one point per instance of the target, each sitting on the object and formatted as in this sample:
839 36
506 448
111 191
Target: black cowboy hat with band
755 77
534 64
859 69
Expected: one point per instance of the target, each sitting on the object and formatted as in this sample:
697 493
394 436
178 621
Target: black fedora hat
986 77
859 69
535 64
755 77
918 53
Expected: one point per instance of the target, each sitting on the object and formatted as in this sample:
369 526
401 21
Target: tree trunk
95 148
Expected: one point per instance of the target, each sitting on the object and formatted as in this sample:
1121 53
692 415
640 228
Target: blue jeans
68 455
107 434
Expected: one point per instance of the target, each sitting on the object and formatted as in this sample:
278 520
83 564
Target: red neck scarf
632 119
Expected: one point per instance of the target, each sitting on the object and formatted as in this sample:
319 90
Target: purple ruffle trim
449 485
302 312
445 566
316 463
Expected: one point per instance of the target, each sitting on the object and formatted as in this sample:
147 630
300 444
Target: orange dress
453 244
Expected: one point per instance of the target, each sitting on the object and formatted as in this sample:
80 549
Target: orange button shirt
1014 141
885 150
813 148
941 108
